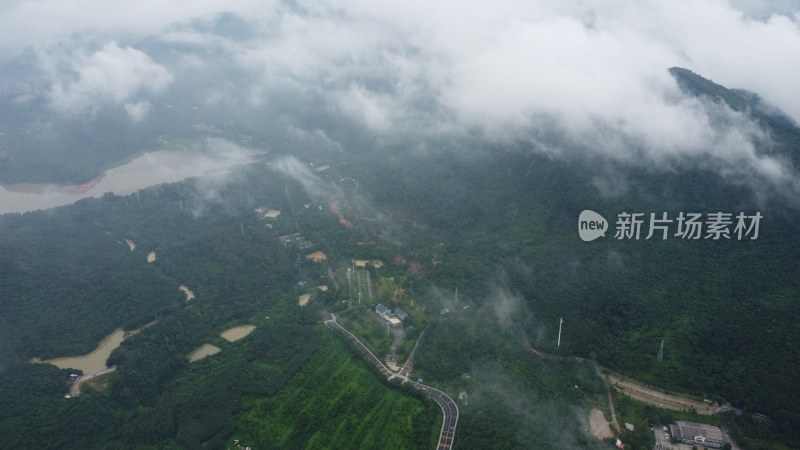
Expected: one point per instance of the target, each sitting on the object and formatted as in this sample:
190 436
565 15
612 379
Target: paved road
360 345
449 408
448 432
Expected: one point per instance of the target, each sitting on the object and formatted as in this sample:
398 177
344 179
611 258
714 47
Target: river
94 361
164 166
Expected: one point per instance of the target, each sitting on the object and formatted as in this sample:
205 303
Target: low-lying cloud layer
568 77
113 75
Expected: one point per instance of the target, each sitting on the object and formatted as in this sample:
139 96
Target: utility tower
560 321
661 352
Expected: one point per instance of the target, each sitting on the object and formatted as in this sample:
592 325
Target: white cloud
582 76
300 172
760 9
368 107
28 22
137 111
111 76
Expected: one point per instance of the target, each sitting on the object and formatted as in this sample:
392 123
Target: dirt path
369 286
639 391
358 282
614 418
333 278
398 333
350 287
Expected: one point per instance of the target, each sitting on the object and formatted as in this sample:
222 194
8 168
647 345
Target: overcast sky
592 72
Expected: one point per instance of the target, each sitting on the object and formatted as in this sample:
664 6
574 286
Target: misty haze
476 225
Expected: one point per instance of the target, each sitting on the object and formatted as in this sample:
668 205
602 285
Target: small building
392 318
697 433
383 310
317 256
400 314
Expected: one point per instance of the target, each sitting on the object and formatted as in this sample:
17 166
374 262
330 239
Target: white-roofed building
697 433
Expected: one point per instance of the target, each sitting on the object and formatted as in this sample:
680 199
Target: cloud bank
576 77
112 75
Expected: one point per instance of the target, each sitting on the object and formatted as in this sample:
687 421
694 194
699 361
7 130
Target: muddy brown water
236 333
93 361
203 351
148 169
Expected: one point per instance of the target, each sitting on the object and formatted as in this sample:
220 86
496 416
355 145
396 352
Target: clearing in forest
236 333
188 292
599 425
203 351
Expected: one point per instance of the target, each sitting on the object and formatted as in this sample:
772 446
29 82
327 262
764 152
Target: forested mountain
494 222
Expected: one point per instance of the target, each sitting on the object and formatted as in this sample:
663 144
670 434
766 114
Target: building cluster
393 318
363 263
296 239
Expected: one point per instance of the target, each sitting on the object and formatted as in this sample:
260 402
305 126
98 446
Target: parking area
663 441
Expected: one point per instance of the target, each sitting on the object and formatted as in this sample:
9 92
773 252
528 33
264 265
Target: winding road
449 408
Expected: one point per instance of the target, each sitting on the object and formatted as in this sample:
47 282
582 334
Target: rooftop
690 430
316 256
400 313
